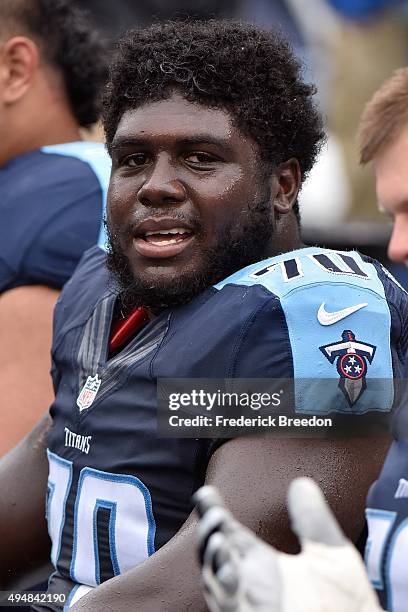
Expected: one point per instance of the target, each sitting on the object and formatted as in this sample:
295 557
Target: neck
36 122
286 236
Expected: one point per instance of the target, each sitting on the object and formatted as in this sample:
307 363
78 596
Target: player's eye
135 160
201 160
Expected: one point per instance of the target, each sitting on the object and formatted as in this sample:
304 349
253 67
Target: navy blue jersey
51 206
117 492
386 552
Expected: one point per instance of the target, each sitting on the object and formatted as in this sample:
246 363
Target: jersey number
334 263
113 521
380 524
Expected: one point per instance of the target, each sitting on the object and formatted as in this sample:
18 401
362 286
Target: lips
162 238
170 236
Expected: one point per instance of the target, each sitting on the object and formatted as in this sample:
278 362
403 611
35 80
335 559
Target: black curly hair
68 43
249 72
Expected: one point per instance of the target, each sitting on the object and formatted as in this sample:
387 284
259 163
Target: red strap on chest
123 329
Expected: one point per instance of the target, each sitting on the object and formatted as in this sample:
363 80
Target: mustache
236 245
192 221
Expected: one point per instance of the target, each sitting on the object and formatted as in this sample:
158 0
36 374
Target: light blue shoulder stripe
313 278
96 156
273 275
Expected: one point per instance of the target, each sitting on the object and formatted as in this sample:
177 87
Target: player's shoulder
311 267
324 308
92 153
81 157
91 277
324 285
90 162
56 174
89 284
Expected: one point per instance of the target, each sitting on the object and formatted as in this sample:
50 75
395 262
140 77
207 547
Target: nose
162 186
398 245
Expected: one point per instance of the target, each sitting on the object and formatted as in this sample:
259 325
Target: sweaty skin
243 574
170 169
179 162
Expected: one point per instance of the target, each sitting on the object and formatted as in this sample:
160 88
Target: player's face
391 173
189 200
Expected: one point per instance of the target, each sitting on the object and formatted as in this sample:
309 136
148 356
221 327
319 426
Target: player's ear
19 61
288 177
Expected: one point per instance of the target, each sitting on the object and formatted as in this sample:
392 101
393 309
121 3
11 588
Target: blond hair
384 114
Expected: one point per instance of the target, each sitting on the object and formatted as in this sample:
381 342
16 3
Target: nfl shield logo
88 393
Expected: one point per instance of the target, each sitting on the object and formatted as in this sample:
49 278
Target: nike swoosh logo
328 318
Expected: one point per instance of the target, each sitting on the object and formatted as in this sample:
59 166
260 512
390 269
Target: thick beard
238 246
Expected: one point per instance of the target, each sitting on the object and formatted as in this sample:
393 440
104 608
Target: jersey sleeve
329 332
57 248
7 276
397 299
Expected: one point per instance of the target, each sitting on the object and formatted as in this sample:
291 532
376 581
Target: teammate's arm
253 476
25 544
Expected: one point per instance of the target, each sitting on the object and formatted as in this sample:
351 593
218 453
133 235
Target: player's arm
253 476
241 573
25 544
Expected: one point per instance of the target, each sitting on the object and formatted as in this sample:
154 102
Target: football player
52 183
383 140
211 131
242 573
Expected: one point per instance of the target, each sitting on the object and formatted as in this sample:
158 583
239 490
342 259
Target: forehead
391 173
176 118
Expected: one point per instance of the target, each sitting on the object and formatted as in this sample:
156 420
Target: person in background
52 187
52 184
383 139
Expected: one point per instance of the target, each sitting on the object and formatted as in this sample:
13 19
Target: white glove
243 574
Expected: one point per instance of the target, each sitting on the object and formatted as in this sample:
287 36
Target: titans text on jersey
117 492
